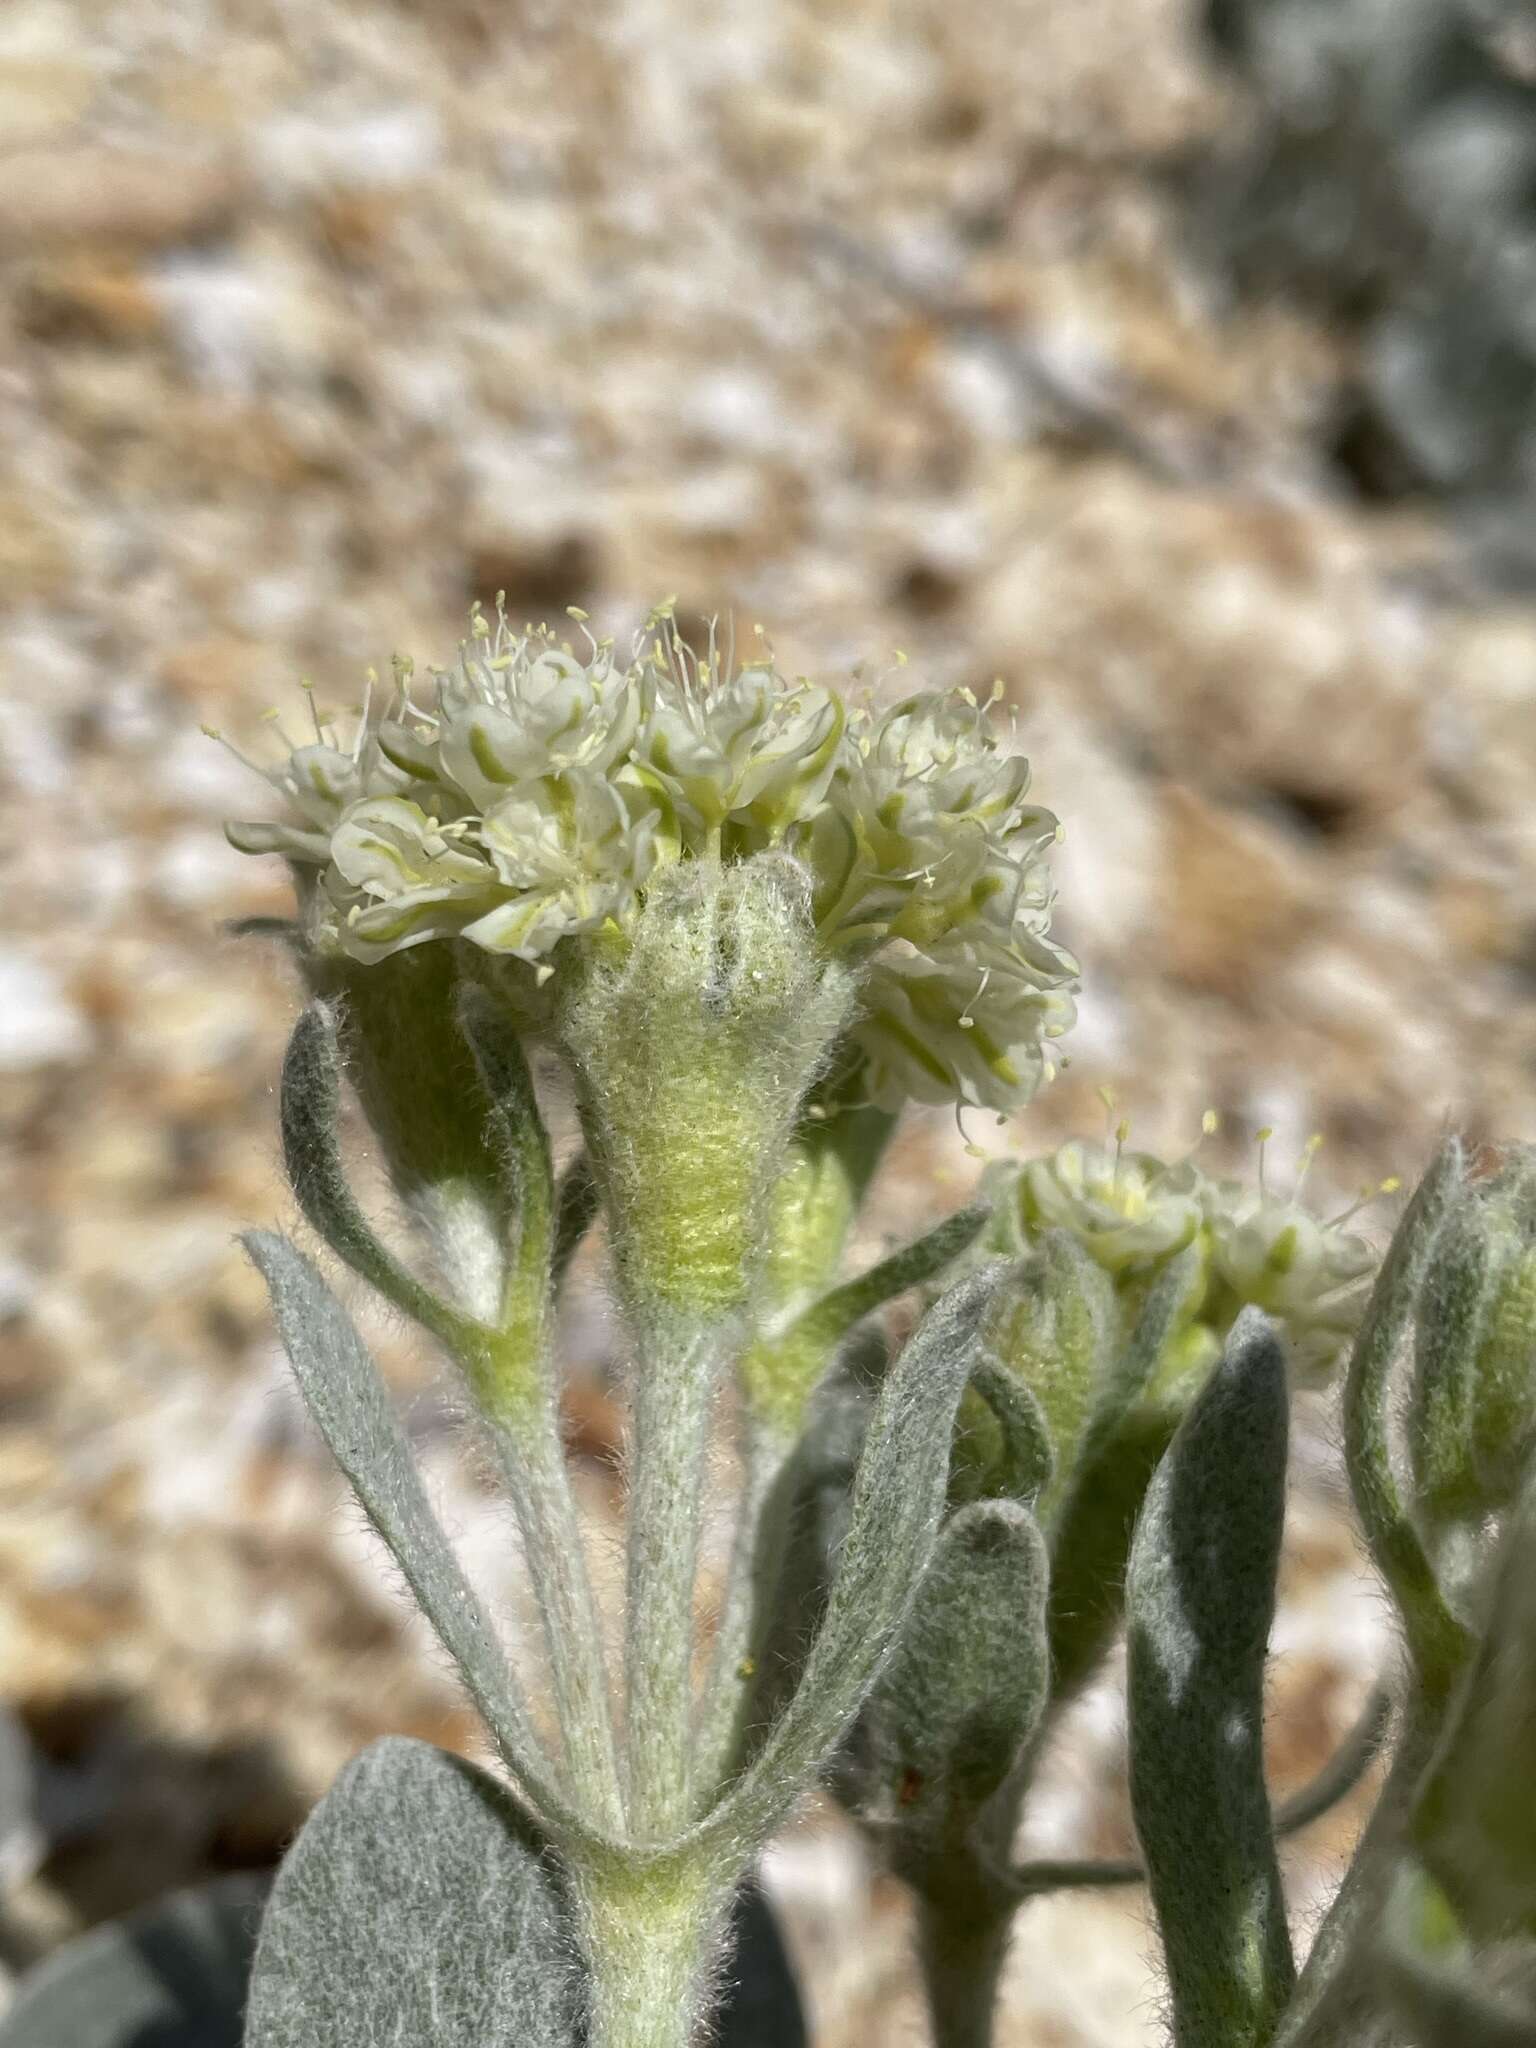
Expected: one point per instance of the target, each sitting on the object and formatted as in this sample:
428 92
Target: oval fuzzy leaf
172 1976
967 1681
1199 1600
417 1906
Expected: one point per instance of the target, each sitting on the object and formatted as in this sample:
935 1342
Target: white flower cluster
1128 1210
1132 1212
528 796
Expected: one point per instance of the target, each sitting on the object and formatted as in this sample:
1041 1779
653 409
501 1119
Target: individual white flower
959 1023
318 781
929 865
939 830
398 877
1313 1276
940 834
518 708
743 747
1128 1210
574 851
558 856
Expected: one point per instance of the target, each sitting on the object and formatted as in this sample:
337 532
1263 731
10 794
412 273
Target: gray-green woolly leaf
171 1976
898 1497
1338 1777
347 1399
1437 1642
1200 1598
415 1079
416 1906
1445 1994
1504 1413
1475 1821
760 2006
310 1105
522 1143
1125 1435
1021 1469
830 1319
965 1687
1453 1308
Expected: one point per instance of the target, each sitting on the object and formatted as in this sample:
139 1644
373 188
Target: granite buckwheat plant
748 920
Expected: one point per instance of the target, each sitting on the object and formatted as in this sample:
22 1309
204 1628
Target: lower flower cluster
1133 1213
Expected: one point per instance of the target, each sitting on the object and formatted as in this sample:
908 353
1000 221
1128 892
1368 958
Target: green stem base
964 1927
652 1938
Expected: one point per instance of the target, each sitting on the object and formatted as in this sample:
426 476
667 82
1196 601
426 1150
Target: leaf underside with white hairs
1200 1599
416 1906
347 1399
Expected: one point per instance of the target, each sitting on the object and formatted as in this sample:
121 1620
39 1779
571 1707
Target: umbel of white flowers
1254 1247
532 800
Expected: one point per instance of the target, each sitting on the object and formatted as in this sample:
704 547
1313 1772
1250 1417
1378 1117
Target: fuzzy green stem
652 1935
674 1391
964 1927
517 1385
532 1461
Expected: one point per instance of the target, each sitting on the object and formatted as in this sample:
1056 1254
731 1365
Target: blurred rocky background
1173 363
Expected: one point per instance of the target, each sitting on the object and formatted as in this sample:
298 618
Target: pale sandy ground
874 322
